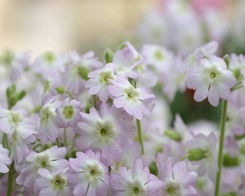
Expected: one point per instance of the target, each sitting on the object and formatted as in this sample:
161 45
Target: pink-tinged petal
118 182
75 164
139 172
201 93
44 173
126 174
103 94
119 102
194 82
47 192
94 90
3 168
154 185
115 91
190 191
213 97
80 189
57 153
164 166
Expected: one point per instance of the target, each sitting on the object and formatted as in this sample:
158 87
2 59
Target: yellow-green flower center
105 77
58 183
68 112
159 55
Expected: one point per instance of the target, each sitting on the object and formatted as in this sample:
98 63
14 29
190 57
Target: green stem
221 146
10 180
65 137
140 137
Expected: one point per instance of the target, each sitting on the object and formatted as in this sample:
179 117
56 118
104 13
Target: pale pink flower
176 177
133 100
49 159
134 182
20 132
89 175
211 80
68 114
53 183
99 80
101 131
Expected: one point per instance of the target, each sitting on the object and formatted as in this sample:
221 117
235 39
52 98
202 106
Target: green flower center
58 183
173 189
213 75
68 112
94 172
132 93
136 188
103 132
42 161
105 77
159 55
15 118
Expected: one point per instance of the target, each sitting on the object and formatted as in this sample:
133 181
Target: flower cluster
76 125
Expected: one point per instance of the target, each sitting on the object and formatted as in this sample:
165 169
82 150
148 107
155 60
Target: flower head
99 80
177 179
53 183
68 114
101 132
132 100
211 80
89 174
50 159
135 182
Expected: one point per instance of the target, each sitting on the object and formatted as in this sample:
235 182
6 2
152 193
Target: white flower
133 100
53 183
49 159
158 57
20 131
91 174
48 130
211 79
99 80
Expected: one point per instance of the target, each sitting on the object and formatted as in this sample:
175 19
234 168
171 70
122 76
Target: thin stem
140 137
10 180
65 137
221 146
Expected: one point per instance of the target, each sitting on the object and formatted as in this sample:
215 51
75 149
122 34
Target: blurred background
65 25
82 25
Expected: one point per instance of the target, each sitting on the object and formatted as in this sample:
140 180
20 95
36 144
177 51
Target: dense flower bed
76 125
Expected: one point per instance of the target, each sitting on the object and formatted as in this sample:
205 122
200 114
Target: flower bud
108 55
197 154
173 135
83 72
60 90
